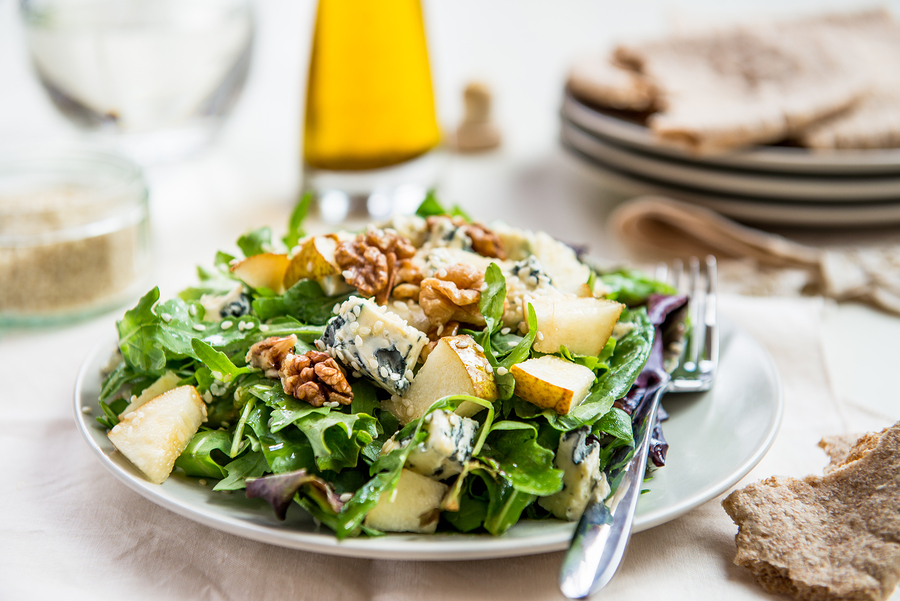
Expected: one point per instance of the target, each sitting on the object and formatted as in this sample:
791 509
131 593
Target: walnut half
314 377
371 261
453 294
268 354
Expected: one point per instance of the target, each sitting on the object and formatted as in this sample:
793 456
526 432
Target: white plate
778 186
759 158
715 438
746 209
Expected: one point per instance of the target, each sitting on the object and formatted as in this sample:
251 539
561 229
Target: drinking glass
370 114
159 75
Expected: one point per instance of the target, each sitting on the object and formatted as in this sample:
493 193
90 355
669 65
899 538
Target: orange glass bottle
369 100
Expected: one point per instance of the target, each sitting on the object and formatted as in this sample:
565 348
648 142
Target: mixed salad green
340 462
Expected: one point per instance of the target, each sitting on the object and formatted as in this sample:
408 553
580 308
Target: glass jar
74 233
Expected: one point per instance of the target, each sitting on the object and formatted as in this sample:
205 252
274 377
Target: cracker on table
827 537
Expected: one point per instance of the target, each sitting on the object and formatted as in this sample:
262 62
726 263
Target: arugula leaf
490 304
286 450
251 465
295 223
199 457
337 438
430 206
279 490
526 464
305 300
471 513
365 399
632 287
221 366
138 332
615 423
506 384
285 409
505 503
256 242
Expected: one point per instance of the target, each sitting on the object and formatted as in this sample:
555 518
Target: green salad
430 373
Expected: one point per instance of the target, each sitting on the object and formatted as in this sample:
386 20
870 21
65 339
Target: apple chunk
155 434
552 383
583 325
414 506
315 261
265 270
455 366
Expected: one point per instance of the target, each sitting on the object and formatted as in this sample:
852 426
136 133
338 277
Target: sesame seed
336 308
227 324
358 340
395 376
347 274
488 368
320 345
226 424
202 482
199 327
86 409
354 327
192 310
511 343
504 331
540 335
217 375
356 374
410 410
365 331
409 374
440 329
263 327
346 497
479 348
133 398
165 317
310 266
502 371
400 305
462 344
378 327
331 404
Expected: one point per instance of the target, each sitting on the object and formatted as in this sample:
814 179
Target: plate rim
459 546
753 159
767 187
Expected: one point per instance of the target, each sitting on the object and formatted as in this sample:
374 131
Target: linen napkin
70 530
760 262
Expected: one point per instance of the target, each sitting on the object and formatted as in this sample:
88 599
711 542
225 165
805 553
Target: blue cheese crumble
374 342
446 449
580 462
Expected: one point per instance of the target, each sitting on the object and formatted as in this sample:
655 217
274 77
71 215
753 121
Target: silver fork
601 538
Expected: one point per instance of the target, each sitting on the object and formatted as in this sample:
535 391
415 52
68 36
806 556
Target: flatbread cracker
831 537
742 86
597 80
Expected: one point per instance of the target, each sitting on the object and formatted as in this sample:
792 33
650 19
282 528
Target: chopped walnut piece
314 377
371 261
453 294
406 291
268 354
451 328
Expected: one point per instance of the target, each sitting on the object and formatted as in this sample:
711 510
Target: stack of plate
767 184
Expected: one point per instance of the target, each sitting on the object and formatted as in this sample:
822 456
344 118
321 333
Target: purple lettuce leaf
279 490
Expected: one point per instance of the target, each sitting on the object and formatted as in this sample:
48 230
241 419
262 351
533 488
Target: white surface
758 159
765 186
726 431
71 531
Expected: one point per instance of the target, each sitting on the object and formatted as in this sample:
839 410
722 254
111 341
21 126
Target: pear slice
155 434
583 325
552 383
265 270
414 506
315 261
455 366
164 383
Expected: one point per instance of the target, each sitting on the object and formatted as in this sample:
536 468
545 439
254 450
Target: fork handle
602 535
